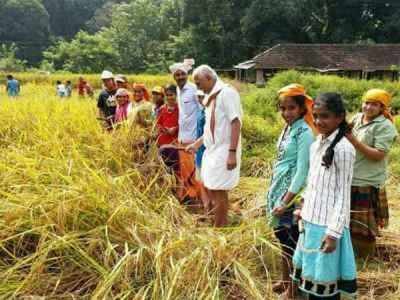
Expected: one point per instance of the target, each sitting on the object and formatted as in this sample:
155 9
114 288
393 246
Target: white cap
107 75
180 67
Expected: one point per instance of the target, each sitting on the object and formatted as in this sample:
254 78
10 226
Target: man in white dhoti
221 161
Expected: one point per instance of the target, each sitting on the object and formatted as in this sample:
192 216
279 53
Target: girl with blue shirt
290 173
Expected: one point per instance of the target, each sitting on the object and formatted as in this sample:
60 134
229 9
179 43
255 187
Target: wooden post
260 81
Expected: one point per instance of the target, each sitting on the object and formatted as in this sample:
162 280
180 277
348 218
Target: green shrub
351 89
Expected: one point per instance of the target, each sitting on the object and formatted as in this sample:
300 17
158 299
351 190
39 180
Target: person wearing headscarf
289 173
158 96
142 108
124 105
372 136
293 90
187 103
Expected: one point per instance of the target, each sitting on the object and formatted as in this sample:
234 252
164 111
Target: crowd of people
63 90
327 199
195 126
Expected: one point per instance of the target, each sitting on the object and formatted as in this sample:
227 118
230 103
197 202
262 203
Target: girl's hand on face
328 244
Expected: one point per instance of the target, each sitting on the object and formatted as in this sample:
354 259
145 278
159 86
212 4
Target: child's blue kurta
290 169
201 121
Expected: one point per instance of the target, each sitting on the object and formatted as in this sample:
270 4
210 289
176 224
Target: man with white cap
187 102
106 102
220 171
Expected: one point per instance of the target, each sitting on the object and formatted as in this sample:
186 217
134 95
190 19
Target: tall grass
83 213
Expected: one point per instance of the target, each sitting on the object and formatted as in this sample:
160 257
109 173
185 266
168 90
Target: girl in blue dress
290 173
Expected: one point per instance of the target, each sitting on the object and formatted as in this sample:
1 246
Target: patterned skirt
369 208
320 274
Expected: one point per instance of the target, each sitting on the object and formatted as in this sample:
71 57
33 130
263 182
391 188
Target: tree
137 33
8 60
216 30
84 54
67 17
25 23
267 23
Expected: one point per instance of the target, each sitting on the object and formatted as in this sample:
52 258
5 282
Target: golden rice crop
43 78
83 214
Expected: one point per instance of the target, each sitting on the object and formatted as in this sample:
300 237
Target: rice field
85 214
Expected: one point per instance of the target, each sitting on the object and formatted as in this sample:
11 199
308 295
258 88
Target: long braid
327 159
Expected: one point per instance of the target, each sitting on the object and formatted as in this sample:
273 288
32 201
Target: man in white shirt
221 161
187 102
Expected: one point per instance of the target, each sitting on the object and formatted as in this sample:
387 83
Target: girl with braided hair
324 263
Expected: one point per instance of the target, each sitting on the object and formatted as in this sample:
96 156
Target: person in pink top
124 106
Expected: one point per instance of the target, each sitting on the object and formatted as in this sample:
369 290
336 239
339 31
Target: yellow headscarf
295 89
380 96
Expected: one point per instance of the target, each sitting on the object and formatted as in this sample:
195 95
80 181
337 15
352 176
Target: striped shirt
327 195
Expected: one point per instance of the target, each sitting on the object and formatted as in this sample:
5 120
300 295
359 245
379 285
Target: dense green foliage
148 34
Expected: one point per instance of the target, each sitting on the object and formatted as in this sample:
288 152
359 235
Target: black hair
69 81
171 88
333 103
9 77
58 82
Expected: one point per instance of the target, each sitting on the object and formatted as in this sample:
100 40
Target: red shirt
167 118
